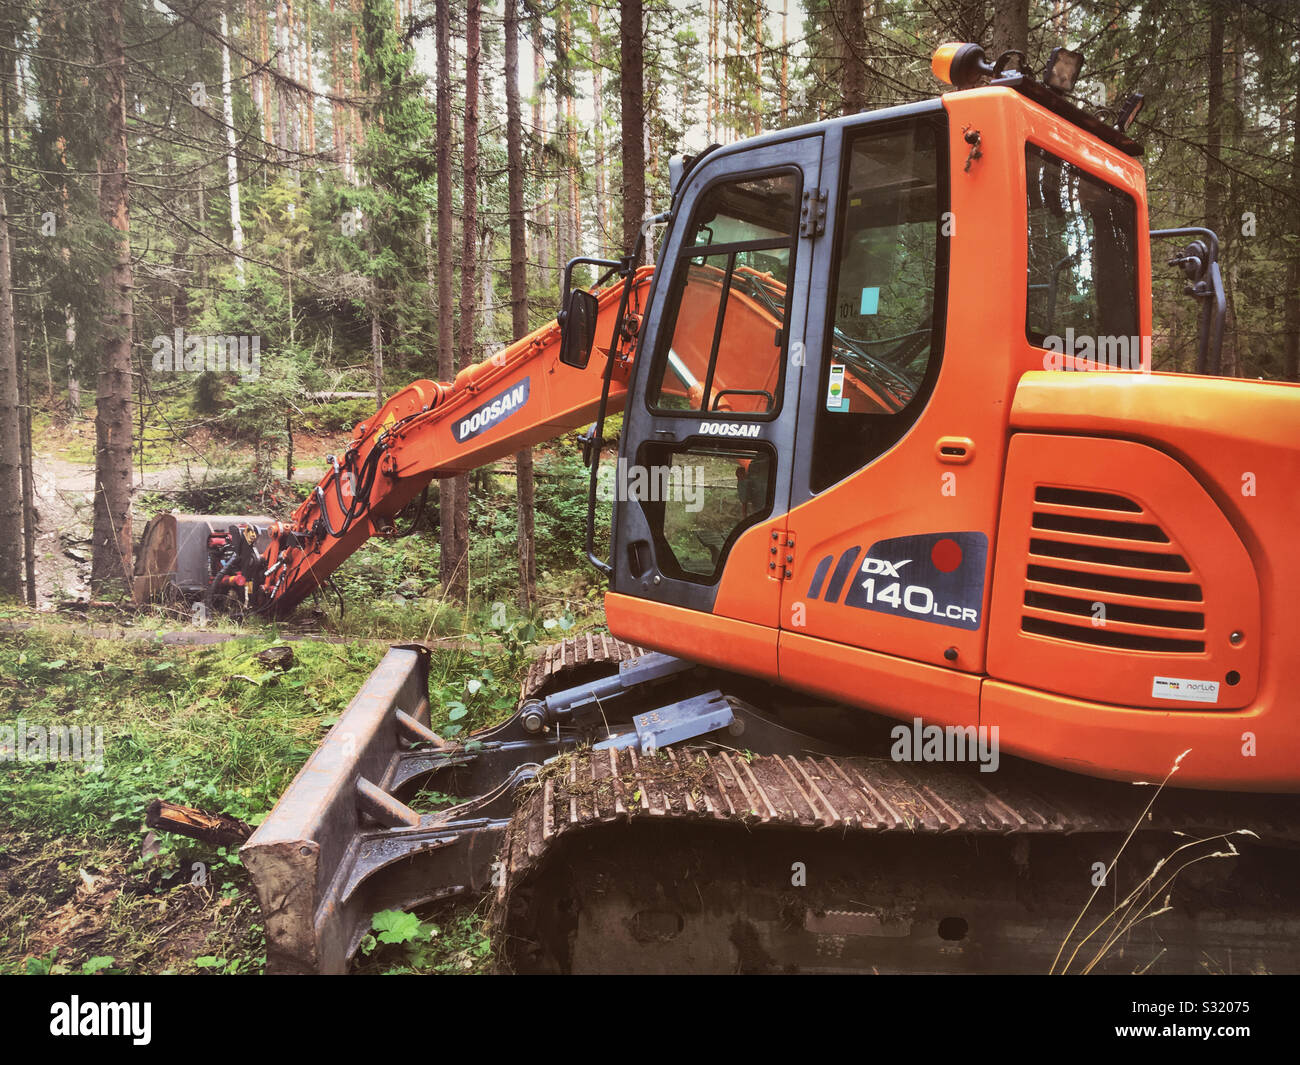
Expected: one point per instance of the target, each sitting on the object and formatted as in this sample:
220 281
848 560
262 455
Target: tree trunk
446 333
21 366
111 559
519 293
785 62
1214 143
1233 346
851 30
377 351
232 164
1291 353
29 486
310 81
540 237
458 586
631 92
70 338
758 67
1010 27
11 495
574 220
711 109
598 107
447 486
563 250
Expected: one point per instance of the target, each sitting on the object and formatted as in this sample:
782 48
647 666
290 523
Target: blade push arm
521 396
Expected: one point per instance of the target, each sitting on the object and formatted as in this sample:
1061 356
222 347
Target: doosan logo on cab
727 429
102 1018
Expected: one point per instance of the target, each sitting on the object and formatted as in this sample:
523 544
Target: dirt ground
68 901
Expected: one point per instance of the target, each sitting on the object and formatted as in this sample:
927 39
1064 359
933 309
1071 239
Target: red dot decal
946 555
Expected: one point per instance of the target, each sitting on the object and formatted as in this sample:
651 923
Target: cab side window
885 328
1082 254
722 348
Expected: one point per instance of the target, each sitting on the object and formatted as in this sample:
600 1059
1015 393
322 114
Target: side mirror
578 329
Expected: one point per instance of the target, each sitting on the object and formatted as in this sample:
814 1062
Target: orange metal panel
1218 583
887 685
675 630
1250 750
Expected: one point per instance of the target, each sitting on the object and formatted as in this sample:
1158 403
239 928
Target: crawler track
690 860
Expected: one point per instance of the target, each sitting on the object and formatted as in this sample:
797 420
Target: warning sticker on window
1187 691
835 398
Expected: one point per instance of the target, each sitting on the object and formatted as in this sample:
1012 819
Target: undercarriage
639 813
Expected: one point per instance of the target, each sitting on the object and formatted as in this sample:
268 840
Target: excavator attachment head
175 562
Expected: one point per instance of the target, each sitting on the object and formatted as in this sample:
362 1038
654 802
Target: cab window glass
886 315
724 339
697 500
1082 236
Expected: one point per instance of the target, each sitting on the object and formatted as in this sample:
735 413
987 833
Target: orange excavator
959 582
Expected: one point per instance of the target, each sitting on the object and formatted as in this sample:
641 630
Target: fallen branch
217 829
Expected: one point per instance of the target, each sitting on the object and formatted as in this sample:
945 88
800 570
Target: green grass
202 726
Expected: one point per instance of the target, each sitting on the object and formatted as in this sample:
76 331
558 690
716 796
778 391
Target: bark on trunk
377 353
111 559
458 588
519 293
631 92
598 107
851 30
446 332
1010 27
1291 354
232 164
1214 143
11 510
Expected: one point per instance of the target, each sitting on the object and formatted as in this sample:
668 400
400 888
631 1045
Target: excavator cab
796 328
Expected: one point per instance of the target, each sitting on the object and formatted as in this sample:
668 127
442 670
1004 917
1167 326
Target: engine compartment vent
1102 571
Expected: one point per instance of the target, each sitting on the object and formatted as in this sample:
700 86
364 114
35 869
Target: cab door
706 455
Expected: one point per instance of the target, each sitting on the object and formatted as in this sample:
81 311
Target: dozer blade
343 843
173 560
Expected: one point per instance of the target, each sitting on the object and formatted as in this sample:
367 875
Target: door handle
954 450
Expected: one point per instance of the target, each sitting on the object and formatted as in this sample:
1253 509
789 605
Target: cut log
217 829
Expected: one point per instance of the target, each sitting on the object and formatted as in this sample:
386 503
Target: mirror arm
1205 283
610 265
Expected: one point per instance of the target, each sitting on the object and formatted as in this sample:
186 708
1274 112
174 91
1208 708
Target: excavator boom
521 396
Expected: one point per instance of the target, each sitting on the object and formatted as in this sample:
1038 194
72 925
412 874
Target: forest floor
85 886
185 716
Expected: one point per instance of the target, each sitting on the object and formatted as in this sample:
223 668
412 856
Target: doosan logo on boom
496 409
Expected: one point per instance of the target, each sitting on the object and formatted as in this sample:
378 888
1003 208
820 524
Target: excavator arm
521 396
